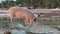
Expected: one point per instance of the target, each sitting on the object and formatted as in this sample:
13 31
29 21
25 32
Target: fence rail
46 11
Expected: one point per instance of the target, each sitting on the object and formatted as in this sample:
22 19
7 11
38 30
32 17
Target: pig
25 15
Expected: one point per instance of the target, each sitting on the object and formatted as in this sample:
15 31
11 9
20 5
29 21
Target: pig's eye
34 19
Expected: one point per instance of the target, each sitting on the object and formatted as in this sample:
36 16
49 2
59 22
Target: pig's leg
11 14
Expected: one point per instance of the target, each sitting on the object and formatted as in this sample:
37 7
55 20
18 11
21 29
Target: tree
32 3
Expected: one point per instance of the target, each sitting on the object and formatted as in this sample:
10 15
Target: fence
46 19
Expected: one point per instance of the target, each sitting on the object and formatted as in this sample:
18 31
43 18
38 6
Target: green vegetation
42 20
32 3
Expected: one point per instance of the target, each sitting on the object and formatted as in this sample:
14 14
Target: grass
6 21
52 21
